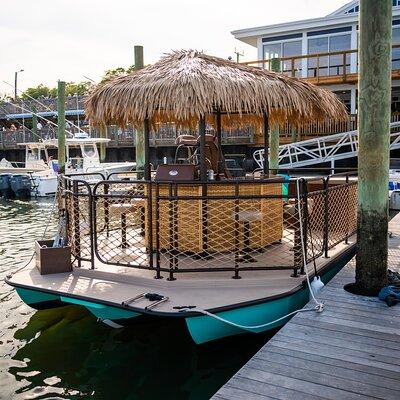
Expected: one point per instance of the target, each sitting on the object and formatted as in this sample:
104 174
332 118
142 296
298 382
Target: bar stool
247 217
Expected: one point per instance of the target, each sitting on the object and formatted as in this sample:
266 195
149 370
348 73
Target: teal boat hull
202 328
41 300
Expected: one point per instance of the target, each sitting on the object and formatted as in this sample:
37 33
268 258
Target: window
328 65
285 49
354 10
396 50
339 43
272 50
88 150
317 46
345 96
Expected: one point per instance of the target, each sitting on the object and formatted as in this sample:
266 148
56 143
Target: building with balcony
322 50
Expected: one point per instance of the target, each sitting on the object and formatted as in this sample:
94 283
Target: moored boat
227 255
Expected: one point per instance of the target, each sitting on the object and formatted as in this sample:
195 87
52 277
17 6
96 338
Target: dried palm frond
185 85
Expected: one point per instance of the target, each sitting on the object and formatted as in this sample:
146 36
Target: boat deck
206 290
350 351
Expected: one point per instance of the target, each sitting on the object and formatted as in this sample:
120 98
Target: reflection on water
65 353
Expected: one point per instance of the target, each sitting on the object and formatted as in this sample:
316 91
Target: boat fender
316 284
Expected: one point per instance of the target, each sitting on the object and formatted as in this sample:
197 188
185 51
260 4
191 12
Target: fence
230 226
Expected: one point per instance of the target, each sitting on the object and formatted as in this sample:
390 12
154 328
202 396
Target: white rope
319 305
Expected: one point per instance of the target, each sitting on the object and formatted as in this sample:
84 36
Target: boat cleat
154 297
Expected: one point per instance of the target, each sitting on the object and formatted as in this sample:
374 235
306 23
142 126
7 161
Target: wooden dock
350 351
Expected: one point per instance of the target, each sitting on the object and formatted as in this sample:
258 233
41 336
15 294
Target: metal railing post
326 217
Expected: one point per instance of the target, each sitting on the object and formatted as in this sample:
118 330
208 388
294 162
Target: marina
194 227
348 351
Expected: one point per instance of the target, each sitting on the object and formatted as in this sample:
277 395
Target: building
322 50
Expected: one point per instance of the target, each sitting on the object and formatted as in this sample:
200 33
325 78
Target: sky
71 39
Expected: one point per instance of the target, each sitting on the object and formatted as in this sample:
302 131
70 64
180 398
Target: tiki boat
188 241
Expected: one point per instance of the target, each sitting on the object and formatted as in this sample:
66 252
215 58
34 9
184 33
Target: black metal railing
192 227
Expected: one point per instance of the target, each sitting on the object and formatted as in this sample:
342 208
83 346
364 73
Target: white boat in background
88 161
44 183
43 170
36 159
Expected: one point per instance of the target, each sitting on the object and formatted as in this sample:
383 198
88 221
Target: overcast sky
70 39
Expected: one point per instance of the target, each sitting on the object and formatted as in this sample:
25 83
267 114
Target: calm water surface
65 353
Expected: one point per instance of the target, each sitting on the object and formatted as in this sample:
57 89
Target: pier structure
349 351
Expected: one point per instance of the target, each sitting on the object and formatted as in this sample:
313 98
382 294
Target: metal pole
61 125
34 123
140 140
77 110
202 133
266 142
15 86
374 130
274 135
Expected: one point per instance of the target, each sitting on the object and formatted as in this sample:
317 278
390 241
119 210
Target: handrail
115 215
345 63
302 56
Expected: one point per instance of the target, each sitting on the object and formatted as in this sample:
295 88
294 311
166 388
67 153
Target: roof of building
341 16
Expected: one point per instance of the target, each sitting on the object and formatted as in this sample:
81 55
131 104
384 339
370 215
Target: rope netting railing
228 227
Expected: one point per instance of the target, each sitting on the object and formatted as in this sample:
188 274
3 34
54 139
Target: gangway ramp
325 149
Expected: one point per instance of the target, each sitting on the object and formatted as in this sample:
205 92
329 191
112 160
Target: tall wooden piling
61 125
274 135
140 142
373 159
103 135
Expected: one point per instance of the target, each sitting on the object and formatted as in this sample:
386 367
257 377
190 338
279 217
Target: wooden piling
61 125
373 159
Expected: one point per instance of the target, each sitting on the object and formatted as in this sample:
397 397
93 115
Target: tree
42 91
113 73
38 92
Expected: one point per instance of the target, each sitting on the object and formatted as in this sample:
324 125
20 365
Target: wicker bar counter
213 220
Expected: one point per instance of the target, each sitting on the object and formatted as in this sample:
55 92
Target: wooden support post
103 135
221 162
274 135
202 133
140 142
61 125
266 143
373 159
146 137
293 134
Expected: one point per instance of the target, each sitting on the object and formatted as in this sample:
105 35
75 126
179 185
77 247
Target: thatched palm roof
185 85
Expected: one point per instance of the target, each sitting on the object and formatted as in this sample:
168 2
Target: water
65 353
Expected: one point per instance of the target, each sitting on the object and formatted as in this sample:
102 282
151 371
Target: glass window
272 50
316 46
88 150
396 35
292 49
345 96
339 43
396 50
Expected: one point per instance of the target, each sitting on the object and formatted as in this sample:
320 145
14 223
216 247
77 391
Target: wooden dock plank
349 351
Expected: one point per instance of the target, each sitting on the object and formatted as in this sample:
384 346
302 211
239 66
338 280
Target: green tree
113 73
80 88
38 92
